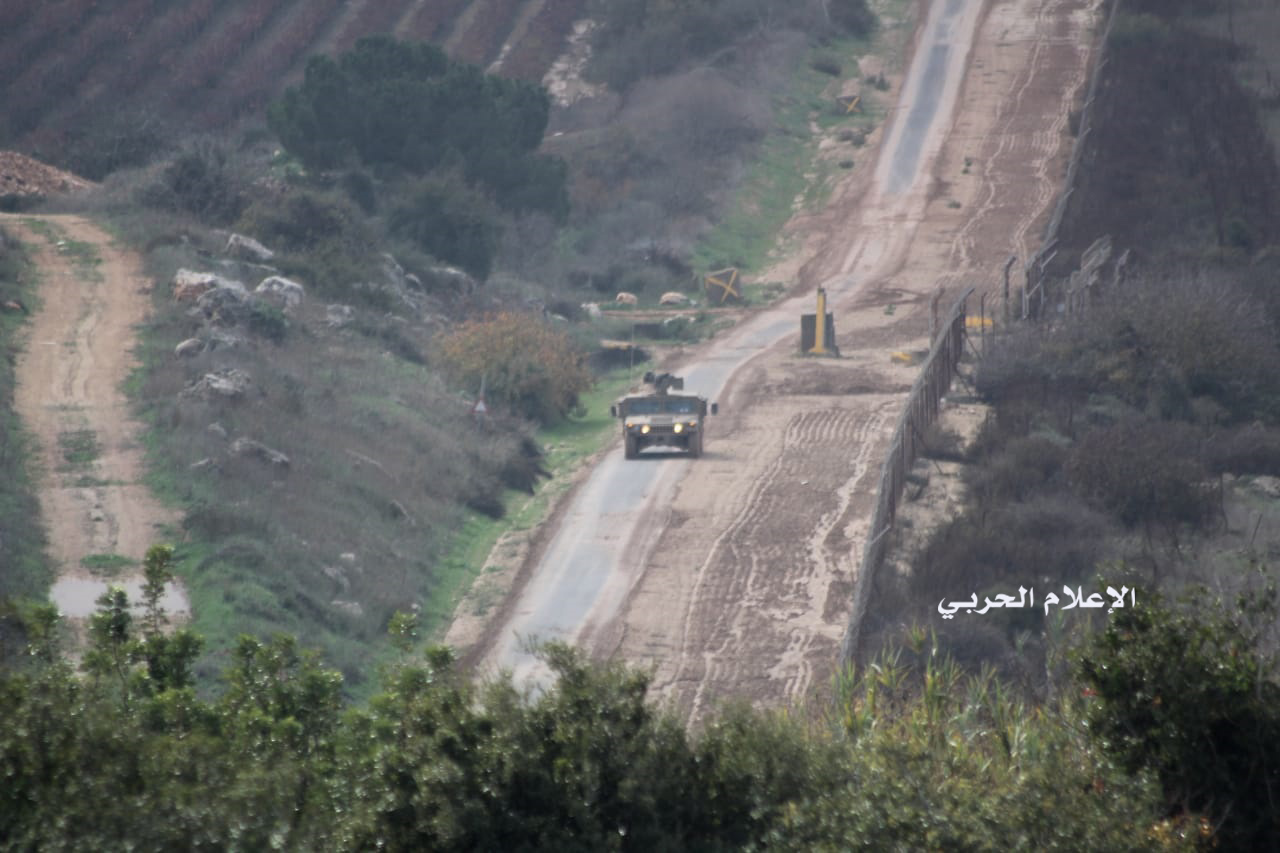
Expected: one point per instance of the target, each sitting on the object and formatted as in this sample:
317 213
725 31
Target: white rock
189 347
287 293
241 246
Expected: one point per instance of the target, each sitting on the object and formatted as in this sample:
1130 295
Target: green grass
78 447
83 255
786 174
568 445
106 564
25 572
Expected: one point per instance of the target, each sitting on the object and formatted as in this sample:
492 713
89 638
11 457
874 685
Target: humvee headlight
645 429
679 428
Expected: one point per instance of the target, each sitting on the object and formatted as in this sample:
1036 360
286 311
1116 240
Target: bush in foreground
917 755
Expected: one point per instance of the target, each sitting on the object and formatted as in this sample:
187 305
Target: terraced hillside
68 64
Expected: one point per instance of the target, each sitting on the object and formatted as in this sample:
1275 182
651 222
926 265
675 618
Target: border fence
920 412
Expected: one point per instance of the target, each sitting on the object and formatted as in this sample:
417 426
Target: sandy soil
746 593
70 396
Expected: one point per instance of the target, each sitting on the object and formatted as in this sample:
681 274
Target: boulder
337 316
228 384
337 575
189 285
222 339
281 292
247 248
1267 485
188 348
351 608
625 298
451 279
224 304
248 448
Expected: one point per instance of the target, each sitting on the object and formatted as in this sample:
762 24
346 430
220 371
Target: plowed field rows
205 64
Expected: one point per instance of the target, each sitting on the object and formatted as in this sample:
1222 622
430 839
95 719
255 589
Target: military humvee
663 419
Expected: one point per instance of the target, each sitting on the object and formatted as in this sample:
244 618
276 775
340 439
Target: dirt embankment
100 516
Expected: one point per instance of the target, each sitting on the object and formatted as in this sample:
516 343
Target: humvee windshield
662 405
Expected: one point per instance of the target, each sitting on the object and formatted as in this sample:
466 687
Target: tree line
1162 739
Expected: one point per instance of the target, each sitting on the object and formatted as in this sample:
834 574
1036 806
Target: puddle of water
76 597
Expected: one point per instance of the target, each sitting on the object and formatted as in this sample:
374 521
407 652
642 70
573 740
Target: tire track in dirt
741 579
70 397
1021 151
755 615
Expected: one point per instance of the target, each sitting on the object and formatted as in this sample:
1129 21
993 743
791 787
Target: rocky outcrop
189 285
229 384
250 449
188 348
281 292
337 316
247 249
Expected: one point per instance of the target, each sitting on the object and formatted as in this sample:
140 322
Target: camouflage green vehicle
663 419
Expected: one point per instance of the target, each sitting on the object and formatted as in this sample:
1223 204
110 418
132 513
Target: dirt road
70 397
732 575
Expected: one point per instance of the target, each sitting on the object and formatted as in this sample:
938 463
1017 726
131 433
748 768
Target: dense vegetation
1154 745
1132 439
23 573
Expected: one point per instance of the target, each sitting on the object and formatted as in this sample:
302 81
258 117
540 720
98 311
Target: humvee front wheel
632 446
695 445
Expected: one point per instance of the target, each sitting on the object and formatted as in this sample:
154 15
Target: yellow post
820 325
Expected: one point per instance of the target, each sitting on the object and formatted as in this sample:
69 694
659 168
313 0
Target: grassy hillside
345 478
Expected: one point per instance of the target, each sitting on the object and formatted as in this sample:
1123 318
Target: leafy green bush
451 222
268 321
1144 472
390 103
1187 693
203 180
524 365
915 757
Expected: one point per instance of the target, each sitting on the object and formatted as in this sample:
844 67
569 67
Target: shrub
523 363
301 219
204 181
1253 449
408 106
1023 465
853 16
1052 536
826 65
269 321
1187 694
1143 472
452 223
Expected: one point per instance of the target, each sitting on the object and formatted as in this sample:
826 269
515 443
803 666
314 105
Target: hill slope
72 69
